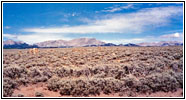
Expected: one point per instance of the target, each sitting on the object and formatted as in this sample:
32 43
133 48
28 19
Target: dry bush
62 72
47 72
39 75
53 83
38 94
20 95
177 56
23 81
8 86
159 82
14 72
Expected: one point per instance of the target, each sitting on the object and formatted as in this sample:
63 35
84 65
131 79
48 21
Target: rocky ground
94 72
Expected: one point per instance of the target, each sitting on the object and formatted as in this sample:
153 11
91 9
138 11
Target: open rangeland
93 72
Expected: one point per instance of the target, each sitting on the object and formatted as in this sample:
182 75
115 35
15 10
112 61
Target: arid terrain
94 72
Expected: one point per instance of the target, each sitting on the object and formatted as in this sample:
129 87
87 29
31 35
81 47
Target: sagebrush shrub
8 86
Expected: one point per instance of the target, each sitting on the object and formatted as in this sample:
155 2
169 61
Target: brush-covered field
93 71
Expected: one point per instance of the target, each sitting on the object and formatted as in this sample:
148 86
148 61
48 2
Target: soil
30 90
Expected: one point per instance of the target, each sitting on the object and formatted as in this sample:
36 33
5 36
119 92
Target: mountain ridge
82 42
10 44
161 43
78 42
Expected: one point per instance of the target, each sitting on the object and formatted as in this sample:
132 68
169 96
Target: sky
117 23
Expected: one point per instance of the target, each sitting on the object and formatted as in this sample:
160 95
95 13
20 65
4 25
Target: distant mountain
52 43
10 44
71 43
80 42
131 45
84 42
161 43
108 44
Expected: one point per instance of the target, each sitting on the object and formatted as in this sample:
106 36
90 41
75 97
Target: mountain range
161 43
10 44
80 42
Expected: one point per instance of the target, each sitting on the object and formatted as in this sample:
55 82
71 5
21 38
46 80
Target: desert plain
94 72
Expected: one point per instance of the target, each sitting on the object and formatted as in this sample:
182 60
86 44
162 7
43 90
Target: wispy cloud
125 41
35 38
67 16
117 8
9 36
124 23
169 37
174 35
7 27
136 22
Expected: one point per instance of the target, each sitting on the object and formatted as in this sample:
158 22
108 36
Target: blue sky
109 22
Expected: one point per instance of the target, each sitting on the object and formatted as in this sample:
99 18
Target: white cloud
168 37
66 15
74 14
36 37
10 36
125 41
7 27
124 23
114 9
174 35
135 22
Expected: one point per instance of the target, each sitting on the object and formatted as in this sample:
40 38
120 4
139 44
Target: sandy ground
29 91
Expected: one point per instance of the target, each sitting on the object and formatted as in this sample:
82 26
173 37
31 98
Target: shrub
128 82
77 73
179 78
38 94
142 86
20 95
8 86
159 64
174 66
14 72
113 84
39 79
162 82
53 83
177 56
62 72
65 88
100 75
47 72
23 80
180 63
34 72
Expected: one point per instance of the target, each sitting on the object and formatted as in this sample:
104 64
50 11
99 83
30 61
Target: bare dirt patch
30 90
